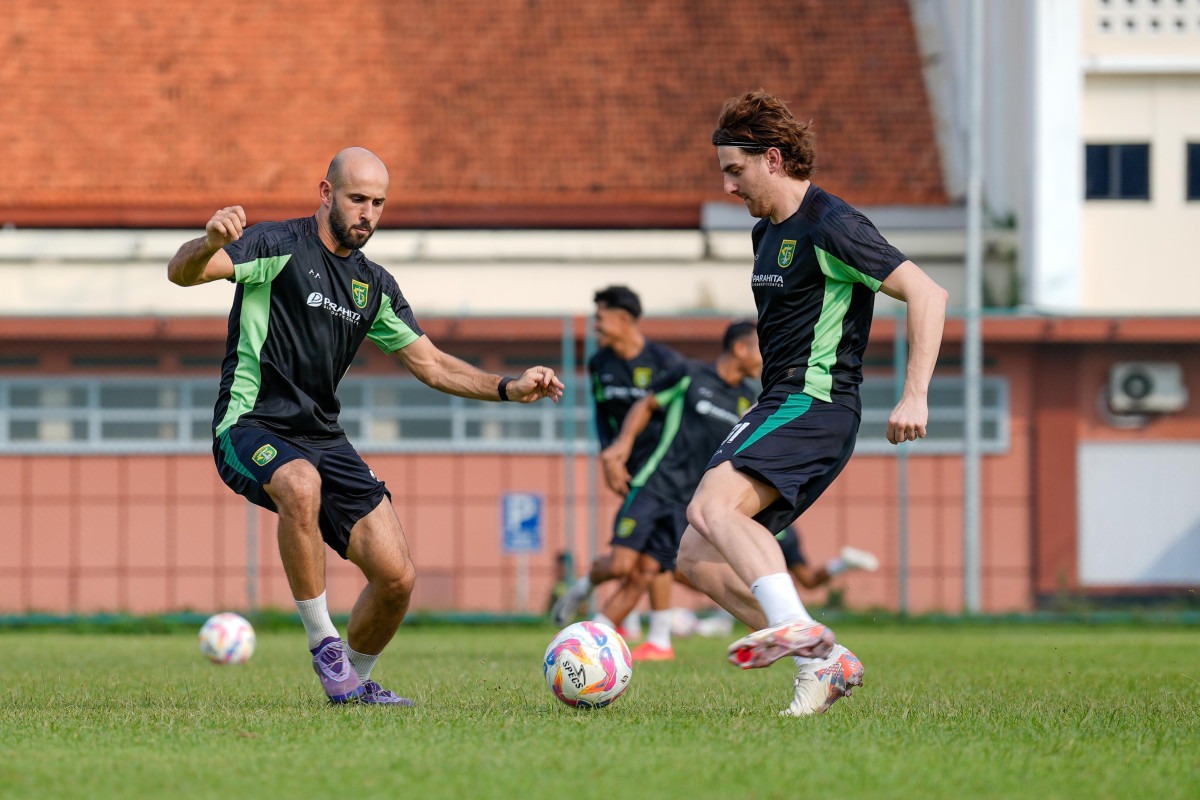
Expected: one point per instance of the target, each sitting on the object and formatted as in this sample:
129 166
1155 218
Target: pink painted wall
162 533
151 534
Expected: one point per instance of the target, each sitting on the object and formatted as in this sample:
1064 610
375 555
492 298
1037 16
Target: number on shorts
736 432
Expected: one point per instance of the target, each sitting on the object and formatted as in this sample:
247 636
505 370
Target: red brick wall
509 112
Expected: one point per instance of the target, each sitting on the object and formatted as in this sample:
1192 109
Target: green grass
957 711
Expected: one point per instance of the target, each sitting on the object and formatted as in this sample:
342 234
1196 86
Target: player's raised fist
225 226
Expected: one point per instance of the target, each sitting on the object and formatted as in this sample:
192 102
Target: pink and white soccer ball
227 638
588 665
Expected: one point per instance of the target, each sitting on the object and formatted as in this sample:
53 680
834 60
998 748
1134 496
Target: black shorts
789 543
794 443
247 458
648 524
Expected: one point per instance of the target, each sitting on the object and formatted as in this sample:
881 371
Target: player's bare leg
378 547
658 646
295 489
706 571
611 566
722 512
632 587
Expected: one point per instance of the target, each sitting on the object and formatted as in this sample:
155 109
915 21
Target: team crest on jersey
641 377
359 290
625 527
743 406
787 251
264 454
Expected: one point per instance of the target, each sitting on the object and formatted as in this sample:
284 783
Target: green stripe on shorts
793 407
230 456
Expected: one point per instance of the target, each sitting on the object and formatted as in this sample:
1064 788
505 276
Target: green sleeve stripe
388 331
247 376
670 429
795 406
839 270
260 270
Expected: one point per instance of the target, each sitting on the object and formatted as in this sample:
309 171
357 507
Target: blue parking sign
521 522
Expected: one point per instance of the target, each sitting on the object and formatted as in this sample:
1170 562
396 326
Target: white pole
899 365
566 410
972 333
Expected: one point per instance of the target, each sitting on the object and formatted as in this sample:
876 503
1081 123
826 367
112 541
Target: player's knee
621 565
699 514
686 559
296 488
644 575
397 586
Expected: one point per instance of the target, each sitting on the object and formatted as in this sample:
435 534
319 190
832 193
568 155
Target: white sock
603 620
315 616
777 595
633 624
836 566
660 629
362 663
800 662
583 585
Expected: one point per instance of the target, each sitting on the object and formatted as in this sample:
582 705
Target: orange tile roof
506 112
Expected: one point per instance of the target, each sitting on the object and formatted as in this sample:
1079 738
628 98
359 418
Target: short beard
341 231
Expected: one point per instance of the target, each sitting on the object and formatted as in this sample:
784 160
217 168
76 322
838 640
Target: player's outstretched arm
203 260
452 375
926 302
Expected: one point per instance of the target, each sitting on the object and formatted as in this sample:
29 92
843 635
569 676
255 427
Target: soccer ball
587 665
227 639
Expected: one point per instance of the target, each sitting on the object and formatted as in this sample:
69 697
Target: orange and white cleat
764 647
821 684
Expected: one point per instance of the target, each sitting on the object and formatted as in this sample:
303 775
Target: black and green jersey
299 315
617 384
815 278
700 408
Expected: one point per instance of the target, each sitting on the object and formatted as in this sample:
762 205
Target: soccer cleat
375 695
819 685
338 678
859 559
648 651
566 606
764 647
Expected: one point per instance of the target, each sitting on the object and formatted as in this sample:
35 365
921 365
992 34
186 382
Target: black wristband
502 389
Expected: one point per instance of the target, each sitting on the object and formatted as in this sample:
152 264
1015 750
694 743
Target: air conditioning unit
1146 387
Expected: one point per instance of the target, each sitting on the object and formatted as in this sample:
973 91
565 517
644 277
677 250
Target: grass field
947 711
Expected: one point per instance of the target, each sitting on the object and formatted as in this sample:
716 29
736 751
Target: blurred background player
562 583
701 402
623 370
807 577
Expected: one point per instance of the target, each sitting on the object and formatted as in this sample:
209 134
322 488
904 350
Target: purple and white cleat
338 678
375 695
